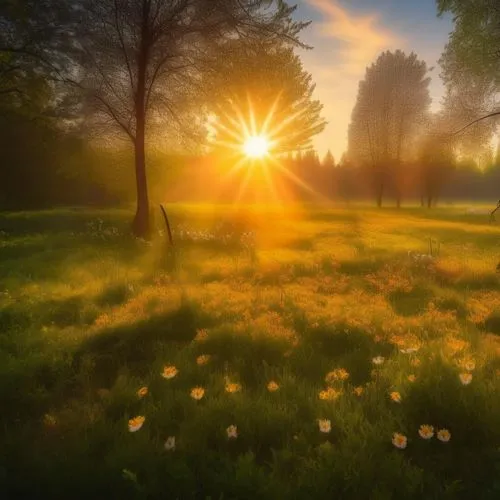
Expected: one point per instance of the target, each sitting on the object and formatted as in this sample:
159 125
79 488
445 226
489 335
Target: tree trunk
398 200
141 226
429 201
422 204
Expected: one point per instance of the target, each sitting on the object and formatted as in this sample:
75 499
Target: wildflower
272 386
288 353
232 431
169 372
426 431
395 396
412 378
170 443
338 374
324 425
203 359
465 378
134 424
415 362
197 393
378 360
410 350
231 387
142 392
443 435
399 440
330 394
201 335
378 338
358 391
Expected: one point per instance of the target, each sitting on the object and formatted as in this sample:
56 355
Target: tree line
109 101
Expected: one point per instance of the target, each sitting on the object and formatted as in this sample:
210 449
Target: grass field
316 334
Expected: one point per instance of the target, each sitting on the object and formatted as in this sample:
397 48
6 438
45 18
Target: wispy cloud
361 37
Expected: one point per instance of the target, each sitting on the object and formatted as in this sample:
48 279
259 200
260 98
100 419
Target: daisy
378 360
232 432
134 424
197 393
399 440
358 391
170 443
395 396
169 372
330 394
426 431
230 387
338 374
203 359
324 425
142 392
443 435
272 386
465 378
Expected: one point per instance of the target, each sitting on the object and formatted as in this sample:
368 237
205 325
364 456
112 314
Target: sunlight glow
256 147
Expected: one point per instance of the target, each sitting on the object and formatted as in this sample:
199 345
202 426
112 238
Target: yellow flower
358 391
324 425
232 432
49 420
134 424
465 378
231 387
142 392
203 359
330 394
272 386
288 353
338 374
197 393
443 435
415 362
378 360
426 431
170 443
412 378
399 440
201 335
169 372
395 396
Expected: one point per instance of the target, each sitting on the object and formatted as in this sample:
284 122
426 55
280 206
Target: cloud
360 37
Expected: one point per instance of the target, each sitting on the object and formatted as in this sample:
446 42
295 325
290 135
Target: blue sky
348 35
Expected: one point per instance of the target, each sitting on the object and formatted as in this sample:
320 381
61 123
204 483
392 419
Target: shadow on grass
135 345
410 303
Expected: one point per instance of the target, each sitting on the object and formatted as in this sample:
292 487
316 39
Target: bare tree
140 60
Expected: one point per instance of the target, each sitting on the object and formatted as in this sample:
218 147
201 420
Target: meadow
273 353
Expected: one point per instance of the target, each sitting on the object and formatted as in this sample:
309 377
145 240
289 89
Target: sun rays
251 142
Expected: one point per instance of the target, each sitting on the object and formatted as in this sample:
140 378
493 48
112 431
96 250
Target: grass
89 315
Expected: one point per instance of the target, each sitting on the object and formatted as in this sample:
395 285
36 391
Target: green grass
89 315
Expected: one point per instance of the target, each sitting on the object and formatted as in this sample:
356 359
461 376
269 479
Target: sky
348 36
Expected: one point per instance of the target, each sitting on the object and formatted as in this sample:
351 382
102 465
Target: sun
256 146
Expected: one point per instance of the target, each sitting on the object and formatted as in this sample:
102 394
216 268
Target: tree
391 106
474 44
141 60
260 87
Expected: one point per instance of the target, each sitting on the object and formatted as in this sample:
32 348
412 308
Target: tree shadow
135 345
410 303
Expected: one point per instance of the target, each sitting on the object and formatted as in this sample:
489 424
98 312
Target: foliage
391 105
264 86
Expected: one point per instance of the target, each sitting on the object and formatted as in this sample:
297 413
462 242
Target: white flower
170 443
378 360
